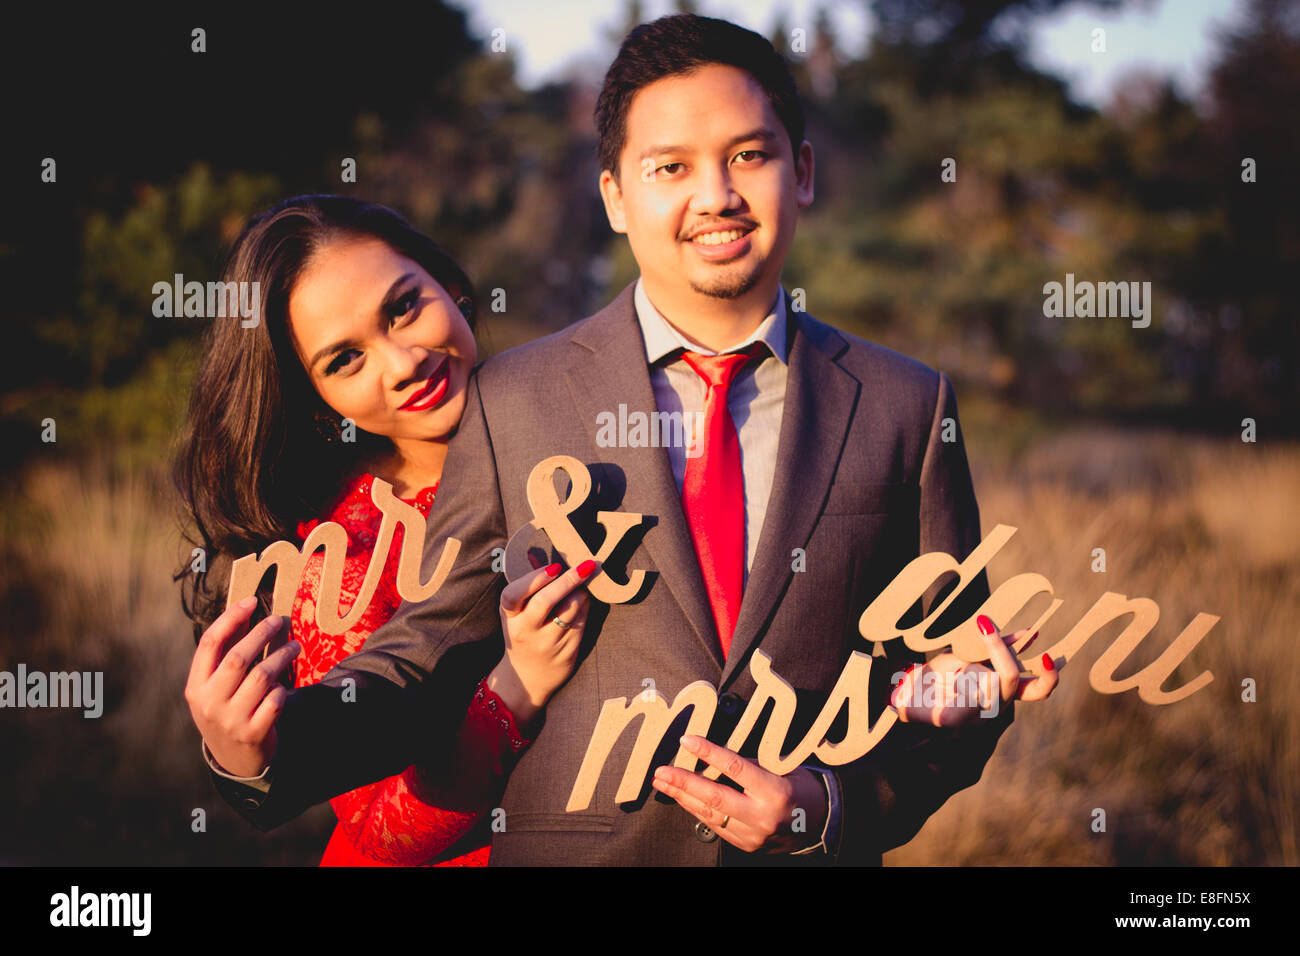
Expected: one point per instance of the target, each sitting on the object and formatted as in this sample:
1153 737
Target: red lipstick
431 392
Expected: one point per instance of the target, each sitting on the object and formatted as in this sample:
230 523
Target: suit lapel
820 398
615 372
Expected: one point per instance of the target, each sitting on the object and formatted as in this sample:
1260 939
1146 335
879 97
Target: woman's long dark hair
254 458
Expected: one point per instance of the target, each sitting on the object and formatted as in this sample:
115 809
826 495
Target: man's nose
716 192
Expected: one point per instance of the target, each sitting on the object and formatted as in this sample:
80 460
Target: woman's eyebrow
389 297
331 349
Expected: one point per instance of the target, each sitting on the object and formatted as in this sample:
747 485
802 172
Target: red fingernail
552 570
985 625
1047 662
586 568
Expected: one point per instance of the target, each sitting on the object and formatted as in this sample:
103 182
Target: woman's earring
466 305
328 427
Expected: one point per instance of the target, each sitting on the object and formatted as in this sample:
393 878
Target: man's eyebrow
761 132
658 150
338 346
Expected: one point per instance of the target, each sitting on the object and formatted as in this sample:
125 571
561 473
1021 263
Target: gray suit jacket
863 484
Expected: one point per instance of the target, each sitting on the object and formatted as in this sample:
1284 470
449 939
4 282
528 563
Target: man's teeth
718 238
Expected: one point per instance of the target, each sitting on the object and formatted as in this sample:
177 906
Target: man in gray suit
824 470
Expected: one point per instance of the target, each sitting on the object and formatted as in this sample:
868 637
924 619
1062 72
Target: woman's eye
402 306
341 361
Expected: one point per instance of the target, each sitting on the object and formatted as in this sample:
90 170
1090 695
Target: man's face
709 188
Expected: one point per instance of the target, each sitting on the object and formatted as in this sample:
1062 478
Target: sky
557 38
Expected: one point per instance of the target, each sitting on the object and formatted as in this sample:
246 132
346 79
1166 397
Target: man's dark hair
678 45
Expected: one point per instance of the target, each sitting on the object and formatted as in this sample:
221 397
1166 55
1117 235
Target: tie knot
719 370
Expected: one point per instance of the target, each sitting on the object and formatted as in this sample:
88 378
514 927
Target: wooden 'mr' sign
289 560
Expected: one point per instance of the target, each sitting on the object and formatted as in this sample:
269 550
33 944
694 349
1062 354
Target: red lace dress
386 823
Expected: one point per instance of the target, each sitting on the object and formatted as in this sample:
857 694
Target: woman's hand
948 692
234 697
542 618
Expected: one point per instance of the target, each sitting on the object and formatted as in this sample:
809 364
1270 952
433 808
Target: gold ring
726 818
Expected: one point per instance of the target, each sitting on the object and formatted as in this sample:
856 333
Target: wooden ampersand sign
551 515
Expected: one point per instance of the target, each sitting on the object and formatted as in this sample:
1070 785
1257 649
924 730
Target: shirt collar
661 338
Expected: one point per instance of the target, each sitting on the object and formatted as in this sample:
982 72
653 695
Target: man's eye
341 361
669 168
748 155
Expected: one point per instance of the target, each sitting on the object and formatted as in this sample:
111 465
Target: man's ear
803 175
612 195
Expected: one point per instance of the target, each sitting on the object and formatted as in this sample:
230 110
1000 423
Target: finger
709 799
946 712
516 593
747 774
571 612
229 625
975 689
1003 661
938 698
268 712
908 697
1017 637
230 672
279 639
541 605
262 679
712 811
1039 688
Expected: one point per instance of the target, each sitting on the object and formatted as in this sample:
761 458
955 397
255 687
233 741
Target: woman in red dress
355 368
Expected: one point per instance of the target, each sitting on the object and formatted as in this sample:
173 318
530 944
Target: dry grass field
85 584
1197 526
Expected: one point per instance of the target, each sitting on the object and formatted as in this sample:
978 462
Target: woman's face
382 341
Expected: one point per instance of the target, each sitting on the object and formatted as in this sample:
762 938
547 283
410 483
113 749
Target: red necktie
713 491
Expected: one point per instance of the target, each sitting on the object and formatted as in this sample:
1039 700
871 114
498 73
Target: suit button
704 833
251 803
730 704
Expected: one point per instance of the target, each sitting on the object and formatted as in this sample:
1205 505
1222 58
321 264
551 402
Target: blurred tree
1150 188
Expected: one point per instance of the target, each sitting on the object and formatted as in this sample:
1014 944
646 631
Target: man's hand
761 818
948 692
234 698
